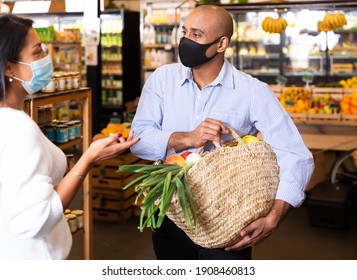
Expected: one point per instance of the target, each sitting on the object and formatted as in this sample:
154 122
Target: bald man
186 105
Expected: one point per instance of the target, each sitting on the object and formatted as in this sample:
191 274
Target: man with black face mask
187 105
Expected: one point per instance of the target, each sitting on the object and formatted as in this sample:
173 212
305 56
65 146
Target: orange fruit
175 159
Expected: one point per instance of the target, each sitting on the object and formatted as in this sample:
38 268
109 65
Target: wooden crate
349 118
110 202
104 202
113 216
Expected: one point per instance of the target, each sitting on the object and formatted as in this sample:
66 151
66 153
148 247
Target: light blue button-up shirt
172 102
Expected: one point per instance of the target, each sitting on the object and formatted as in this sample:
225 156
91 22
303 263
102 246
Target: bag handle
235 136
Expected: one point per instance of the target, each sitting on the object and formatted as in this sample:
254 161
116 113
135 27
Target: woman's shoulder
12 120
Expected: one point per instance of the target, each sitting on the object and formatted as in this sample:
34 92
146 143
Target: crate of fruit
325 104
349 105
296 101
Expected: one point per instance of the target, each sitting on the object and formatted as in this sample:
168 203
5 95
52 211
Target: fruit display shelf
313 104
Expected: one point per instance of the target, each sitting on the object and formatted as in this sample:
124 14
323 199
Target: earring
10 79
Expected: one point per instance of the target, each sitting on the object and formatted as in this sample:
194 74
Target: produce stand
322 137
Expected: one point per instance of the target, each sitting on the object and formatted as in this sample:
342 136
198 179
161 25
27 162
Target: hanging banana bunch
331 22
272 25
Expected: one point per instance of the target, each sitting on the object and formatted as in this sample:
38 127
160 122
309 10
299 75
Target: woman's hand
110 146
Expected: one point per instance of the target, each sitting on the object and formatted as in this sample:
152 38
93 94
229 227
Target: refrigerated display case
119 61
161 31
298 52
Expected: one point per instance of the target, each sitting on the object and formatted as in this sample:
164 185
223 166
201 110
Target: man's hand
260 229
208 130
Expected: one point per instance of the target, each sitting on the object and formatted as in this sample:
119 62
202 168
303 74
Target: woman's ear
8 70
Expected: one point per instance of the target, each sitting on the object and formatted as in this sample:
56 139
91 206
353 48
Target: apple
185 154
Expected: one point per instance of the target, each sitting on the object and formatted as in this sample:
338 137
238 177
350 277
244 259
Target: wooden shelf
323 136
83 95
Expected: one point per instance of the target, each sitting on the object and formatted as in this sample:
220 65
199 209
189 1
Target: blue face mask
41 74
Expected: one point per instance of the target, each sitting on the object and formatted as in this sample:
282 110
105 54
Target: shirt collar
224 77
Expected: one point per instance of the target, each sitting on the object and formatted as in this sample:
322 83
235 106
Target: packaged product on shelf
44 114
71 131
72 222
77 128
49 131
51 87
61 133
79 215
61 80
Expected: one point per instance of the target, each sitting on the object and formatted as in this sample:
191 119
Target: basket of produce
211 196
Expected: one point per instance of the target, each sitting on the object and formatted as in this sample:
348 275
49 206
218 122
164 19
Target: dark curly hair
13 31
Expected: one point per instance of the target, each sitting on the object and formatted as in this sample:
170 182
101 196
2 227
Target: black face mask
193 54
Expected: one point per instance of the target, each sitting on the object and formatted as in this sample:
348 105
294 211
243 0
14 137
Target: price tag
308 79
281 80
289 102
335 106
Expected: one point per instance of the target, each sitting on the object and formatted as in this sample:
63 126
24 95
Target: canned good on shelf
77 128
80 219
61 81
76 80
69 80
71 130
51 87
61 133
49 131
72 222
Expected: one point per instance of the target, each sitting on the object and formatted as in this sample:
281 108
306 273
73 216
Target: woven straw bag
231 186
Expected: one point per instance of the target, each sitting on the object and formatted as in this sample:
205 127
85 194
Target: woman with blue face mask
33 191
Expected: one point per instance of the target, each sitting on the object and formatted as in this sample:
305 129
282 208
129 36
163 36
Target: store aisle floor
295 239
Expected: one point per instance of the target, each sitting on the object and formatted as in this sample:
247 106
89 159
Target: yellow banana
338 20
322 26
328 20
270 25
284 23
274 25
341 19
265 24
333 21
